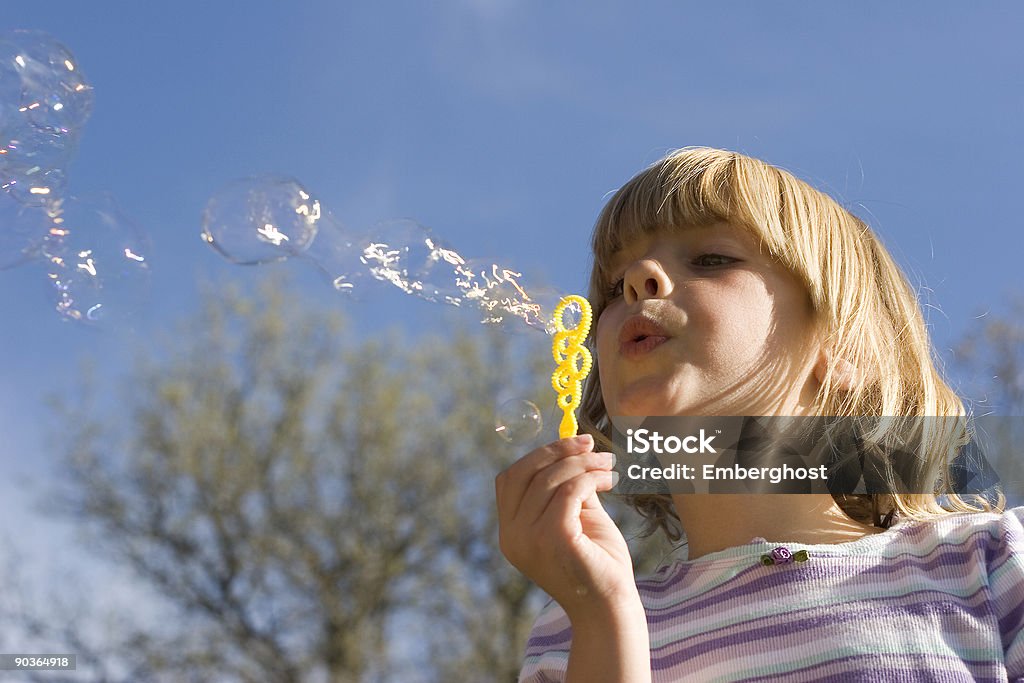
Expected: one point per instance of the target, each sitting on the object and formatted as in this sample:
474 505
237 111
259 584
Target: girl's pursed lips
640 335
640 347
639 326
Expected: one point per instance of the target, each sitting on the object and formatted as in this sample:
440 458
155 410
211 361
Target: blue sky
503 126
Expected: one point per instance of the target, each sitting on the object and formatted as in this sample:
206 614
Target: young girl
725 286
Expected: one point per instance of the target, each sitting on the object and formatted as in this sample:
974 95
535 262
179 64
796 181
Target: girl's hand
553 528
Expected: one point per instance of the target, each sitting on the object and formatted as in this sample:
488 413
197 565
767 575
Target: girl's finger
548 481
564 508
511 484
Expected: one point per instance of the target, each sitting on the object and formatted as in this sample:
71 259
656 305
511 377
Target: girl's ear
845 375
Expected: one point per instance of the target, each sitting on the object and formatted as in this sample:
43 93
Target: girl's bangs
667 196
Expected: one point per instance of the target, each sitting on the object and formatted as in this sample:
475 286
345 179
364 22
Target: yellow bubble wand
573 359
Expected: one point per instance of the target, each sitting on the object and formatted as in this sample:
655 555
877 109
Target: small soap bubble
518 420
98 261
572 315
22 229
261 220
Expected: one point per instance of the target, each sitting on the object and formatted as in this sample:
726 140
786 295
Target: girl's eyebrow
738 237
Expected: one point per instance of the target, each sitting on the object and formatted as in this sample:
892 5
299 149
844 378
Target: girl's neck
715 522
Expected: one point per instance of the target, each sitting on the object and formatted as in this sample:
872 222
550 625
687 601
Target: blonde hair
864 307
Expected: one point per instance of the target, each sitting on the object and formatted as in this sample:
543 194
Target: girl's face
700 322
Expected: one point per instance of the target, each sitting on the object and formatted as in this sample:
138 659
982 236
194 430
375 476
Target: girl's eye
615 291
712 260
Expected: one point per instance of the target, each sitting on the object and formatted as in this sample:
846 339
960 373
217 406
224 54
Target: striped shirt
924 601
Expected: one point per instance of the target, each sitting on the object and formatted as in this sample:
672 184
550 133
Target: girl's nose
646 279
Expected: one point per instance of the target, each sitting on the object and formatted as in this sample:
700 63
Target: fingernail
615 479
585 440
611 456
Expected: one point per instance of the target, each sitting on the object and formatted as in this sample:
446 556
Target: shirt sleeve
1006 580
547 649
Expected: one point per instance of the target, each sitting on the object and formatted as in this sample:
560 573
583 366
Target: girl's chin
625 422
650 403
640 409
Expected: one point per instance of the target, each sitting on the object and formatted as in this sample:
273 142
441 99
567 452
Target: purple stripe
768 578
663 582
983 545
911 604
773 628
1011 622
764 579
1011 539
544 678
562 637
918 667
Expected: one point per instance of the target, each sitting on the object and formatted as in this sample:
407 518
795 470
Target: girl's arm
553 528
611 645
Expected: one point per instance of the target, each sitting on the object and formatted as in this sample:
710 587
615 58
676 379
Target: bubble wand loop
574 362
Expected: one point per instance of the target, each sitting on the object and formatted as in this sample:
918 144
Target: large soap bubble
97 258
411 258
260 220
45 101
98 261
265 219
55 95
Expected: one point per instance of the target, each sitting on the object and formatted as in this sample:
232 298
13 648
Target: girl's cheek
603 321
601 341
605 333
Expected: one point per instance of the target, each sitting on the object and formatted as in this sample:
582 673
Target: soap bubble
45 100
55 95
98 261
502 297
271 218
96 257
33 163
416 261
572 315
338 254
22 229
260 220
265 219
410 257
518 420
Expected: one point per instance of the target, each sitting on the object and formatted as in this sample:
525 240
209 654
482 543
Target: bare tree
304 506
299 498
